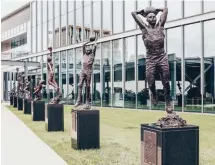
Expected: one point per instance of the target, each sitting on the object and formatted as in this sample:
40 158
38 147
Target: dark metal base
178 146
54 117
27 106
85 133
20 104
38 110
15 102
11 100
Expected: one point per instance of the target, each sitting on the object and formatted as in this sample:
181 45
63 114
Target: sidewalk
20 146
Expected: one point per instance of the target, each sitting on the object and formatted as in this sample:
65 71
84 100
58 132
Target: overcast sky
8 6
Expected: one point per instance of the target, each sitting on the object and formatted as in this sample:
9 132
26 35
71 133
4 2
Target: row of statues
156 62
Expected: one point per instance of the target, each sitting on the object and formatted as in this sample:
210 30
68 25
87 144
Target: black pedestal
27 106
15 102
169 146
11 100
38 110
54 117
20 104
85 133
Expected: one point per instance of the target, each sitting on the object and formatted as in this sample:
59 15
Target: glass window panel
45 36
96 83
106 20
209 5
96 18
78 63
45 3
106 53
174 9
192 67
70 21
39 35
56 26
39 11
192 8
174 45
78 21
118 16
87 20
142 91
71 95
209 67
34 39
33 14
63 14
63 74
129 21
117 73
130 83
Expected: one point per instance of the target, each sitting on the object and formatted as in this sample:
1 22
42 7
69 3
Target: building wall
119 68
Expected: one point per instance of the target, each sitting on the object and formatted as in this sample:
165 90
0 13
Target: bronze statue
51 80
156 58
86 71
13 91
27 89
37 90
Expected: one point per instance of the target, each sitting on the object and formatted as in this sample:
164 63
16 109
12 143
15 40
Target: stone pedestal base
27 106
85 133
163 146
38 110
20 104
11 100
15 102
54 117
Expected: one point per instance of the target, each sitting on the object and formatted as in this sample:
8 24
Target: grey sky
8 6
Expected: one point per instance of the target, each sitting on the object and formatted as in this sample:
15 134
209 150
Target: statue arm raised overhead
138 20
84 47
163 16
95 46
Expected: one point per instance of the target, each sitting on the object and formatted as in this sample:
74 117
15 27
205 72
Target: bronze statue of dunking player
37 90
156 58
51 80
86 72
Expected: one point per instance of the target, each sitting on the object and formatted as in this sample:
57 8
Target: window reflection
56 24
63 74
44 26
118 16
192 67
96 82
106 20
70 21
78 63
130 83
142 90
50 23
117 73
71 95
174 46
209 65
63 22
106 68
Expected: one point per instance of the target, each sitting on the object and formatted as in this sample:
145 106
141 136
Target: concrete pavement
20 146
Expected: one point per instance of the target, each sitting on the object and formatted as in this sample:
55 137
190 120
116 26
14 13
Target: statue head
150 14
89 50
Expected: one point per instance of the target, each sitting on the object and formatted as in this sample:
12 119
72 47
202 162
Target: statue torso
88 60
154 41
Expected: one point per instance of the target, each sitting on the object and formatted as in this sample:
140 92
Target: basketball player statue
51 80
86 71
37 90
27 89
156 58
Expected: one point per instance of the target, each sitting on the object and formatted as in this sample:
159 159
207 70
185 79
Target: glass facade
118 78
